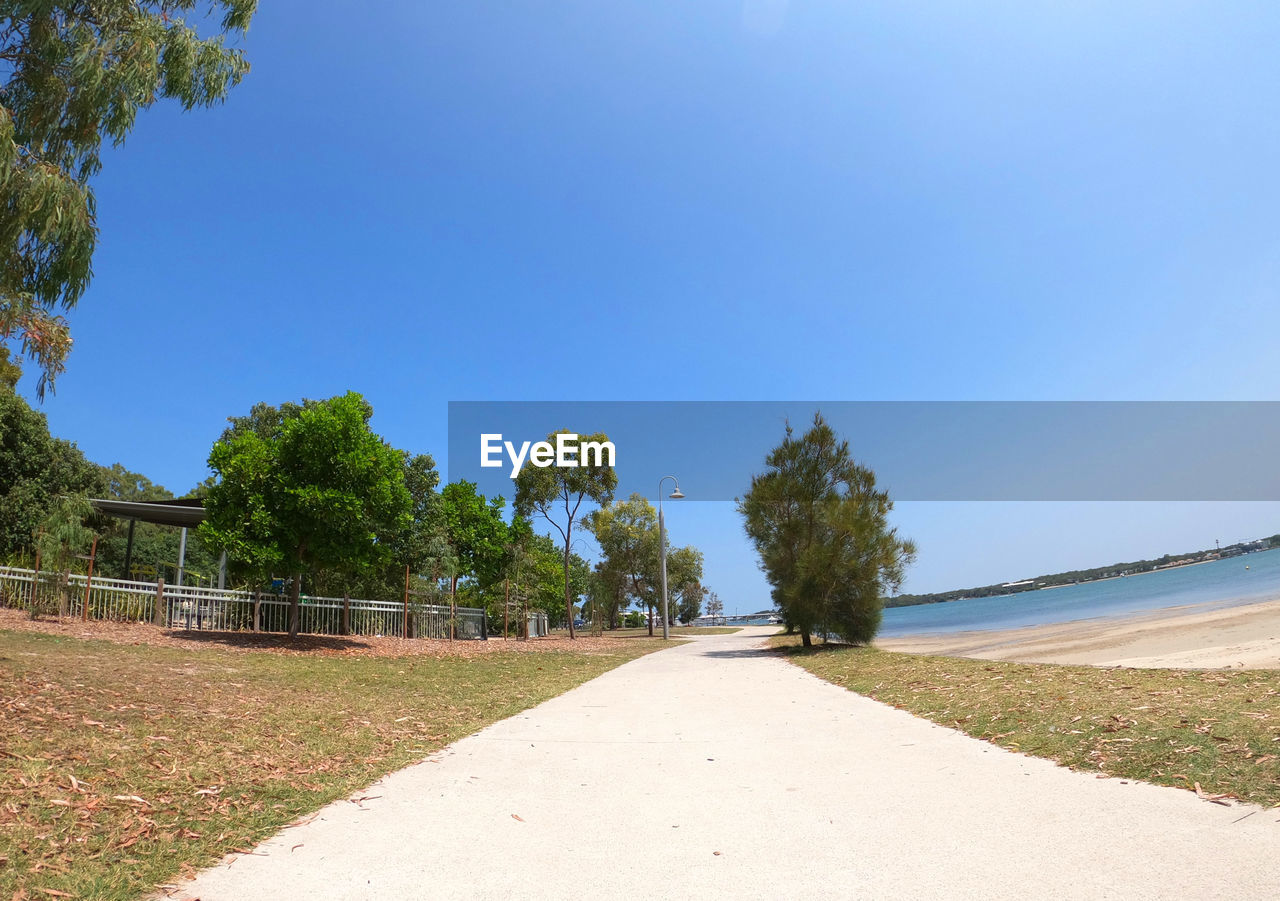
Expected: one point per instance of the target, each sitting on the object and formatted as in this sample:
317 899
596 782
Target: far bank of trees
821 528
630 569
45 483
307 498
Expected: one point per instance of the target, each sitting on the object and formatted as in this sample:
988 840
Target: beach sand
1244 637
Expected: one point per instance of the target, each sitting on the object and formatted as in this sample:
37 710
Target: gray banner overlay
920 451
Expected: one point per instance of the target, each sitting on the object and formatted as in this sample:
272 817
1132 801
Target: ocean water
1222 583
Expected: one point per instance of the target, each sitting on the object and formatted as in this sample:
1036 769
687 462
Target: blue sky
723 200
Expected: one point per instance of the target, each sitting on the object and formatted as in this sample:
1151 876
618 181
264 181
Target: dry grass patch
124 765
303 645
1216 733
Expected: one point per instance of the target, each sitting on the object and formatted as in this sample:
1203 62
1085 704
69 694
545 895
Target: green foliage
684 583
64 534
536 577
414 545
476 531
627 533
821 529
35 470
557 493
77 74
10 370
316 489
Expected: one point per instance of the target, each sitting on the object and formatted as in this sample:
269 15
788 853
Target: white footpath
715 770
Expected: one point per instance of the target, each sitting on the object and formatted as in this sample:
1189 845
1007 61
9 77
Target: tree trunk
805 638
295 611
568 602
651 619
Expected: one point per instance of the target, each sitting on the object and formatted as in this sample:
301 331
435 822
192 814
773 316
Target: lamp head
677 494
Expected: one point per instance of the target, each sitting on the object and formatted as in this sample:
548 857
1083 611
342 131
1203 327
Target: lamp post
662 546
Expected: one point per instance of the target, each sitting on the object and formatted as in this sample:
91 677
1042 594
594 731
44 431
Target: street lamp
662 546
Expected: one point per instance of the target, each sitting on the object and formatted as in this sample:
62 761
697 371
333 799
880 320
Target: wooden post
88 580
406 601
506 606
346 614
453 608
159 614
257 611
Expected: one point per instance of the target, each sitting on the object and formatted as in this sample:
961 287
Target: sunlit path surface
716 770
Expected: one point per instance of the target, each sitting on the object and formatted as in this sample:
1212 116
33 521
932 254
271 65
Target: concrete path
713 770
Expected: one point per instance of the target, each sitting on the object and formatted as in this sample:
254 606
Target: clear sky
760 200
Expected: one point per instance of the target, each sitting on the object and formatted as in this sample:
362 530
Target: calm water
1222 583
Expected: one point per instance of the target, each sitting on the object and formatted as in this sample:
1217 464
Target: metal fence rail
193 607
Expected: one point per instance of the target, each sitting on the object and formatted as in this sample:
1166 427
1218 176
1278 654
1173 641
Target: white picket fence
192 607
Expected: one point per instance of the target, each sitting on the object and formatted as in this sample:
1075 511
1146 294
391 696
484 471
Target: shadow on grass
271 640
790 646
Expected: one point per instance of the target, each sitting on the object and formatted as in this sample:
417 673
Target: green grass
1171 727
122 766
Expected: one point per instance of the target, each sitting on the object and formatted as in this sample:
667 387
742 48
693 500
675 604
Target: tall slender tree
821 529
627 533
557 493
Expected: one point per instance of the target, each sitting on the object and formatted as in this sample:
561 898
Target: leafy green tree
416 546
545 582
556 493
76 74
35 470
684 578
627 533
608 594
63 538
821 529
420 480
64 533
476 530
322 490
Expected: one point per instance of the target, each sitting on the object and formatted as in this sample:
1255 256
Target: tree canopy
684 581
36 470
77 75
630 571
476 531
321 489
556 493
821 529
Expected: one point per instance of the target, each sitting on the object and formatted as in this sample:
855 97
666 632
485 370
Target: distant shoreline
1200 636
940 597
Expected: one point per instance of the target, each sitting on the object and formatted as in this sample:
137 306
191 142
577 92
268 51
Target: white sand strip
1243 637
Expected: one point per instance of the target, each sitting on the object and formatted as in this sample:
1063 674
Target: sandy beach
1244 637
